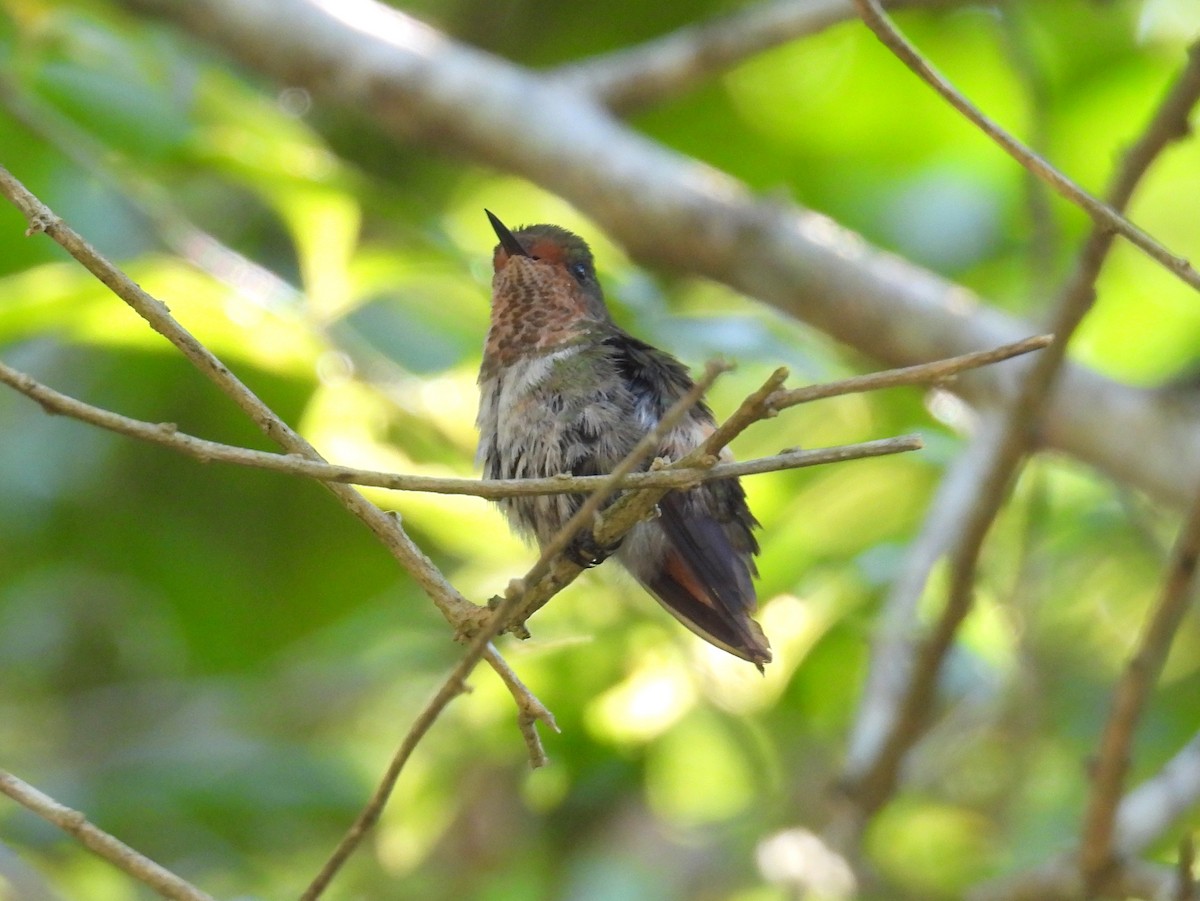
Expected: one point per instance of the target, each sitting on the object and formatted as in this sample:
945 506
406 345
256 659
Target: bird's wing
703 574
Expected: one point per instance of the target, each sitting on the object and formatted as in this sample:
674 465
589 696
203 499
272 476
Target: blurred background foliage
215 664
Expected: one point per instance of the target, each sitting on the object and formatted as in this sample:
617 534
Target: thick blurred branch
635 77
1154 806
152 201
100 842
902 685
671 210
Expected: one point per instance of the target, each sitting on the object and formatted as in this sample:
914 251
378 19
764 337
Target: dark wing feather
706 542
655 378
706 581
705 578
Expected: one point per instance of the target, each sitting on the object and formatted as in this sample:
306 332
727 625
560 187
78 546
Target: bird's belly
527 433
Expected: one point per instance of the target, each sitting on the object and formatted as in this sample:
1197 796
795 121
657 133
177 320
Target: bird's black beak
507 239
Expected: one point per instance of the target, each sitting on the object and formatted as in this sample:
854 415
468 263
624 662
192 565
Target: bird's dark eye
580 271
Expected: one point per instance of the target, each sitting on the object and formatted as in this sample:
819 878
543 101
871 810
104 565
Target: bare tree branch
168 435
635 77
937 373
464 616
530 711
100 842
898 629
1143 817
454 685
896 713
1104 215
670 210
1097 852
502 615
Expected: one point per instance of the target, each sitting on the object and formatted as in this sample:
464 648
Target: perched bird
563 389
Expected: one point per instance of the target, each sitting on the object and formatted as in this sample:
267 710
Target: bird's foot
585 551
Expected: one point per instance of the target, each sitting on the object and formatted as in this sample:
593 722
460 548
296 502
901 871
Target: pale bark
677 212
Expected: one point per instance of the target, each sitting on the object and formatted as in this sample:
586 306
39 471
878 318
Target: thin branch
635 77
513 599
938 373
898 630
479 647
530 711
464 616
452 687
635 506
1045 237
1143 817
1104 215
1185 870
1096 854
910 702
99 842
168 435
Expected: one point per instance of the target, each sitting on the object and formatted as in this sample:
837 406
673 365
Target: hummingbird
563 389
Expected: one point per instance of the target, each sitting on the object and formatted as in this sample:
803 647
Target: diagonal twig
458 611
514 597
905 704
99 842
936 372
1105 215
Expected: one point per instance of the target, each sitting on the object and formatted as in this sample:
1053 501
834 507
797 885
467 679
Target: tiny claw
586 552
